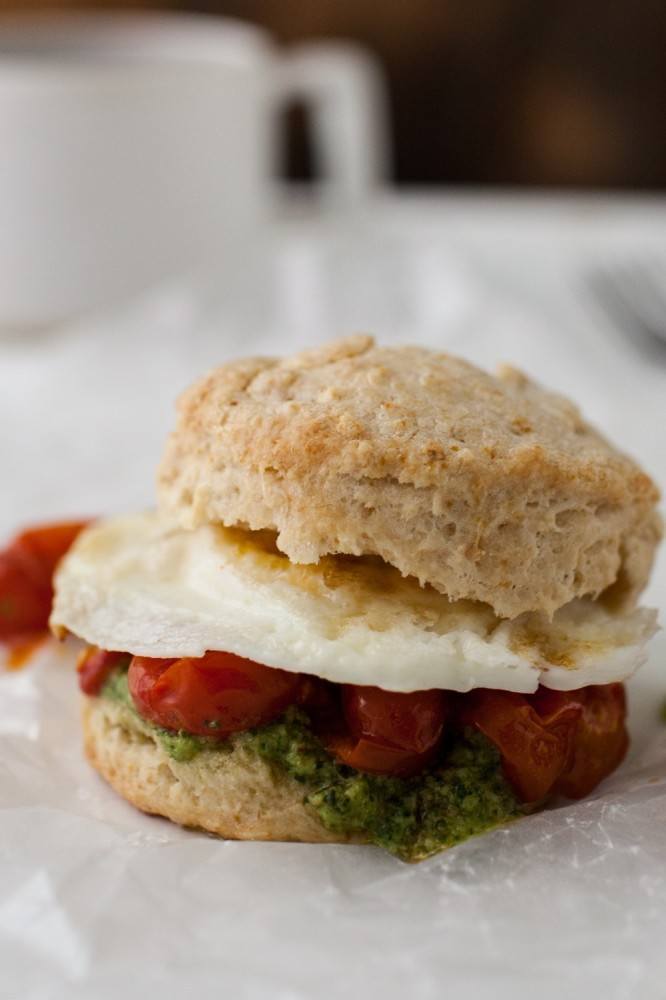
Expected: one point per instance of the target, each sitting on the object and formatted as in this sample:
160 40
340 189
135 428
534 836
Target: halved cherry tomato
27 566
601 738
213 695
94 666
536 749
389 732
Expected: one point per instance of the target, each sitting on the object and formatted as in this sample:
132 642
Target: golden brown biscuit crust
488 488
234 795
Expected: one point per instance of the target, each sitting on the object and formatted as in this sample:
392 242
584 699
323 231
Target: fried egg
142 585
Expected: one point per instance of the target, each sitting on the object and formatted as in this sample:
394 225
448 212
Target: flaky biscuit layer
488 488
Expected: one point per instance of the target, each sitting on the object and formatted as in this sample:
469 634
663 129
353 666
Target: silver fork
633 296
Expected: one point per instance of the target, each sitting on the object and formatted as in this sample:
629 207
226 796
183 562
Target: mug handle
345 88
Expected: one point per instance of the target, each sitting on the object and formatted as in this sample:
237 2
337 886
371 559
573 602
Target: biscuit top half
486 488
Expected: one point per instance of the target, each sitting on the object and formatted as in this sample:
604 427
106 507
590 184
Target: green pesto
413 818
464 795
117 689
181 746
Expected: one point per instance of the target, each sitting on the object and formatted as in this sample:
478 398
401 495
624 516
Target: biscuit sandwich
385 598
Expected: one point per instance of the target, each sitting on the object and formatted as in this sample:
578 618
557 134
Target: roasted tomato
27 566
213 695
601 738
94 666
536 748
560 742
388 732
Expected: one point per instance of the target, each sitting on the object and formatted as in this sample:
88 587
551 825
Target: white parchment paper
99 901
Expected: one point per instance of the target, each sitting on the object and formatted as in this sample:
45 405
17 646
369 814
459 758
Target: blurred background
143 239
519 92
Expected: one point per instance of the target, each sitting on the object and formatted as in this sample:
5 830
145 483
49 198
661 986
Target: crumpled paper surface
99 901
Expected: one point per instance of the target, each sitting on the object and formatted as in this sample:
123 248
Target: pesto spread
180 745
464 795
411 817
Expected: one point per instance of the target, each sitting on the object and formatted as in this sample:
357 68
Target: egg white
142 585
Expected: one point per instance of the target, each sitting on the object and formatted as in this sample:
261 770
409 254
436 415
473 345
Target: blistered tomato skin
412 721
535 751
554 742
214 695
601 740
389 732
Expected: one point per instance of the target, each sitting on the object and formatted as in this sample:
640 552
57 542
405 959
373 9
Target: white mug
134 147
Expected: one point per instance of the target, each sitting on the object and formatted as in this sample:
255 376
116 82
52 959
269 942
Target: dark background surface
521 92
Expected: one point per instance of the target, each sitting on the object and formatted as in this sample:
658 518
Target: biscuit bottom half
279 783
